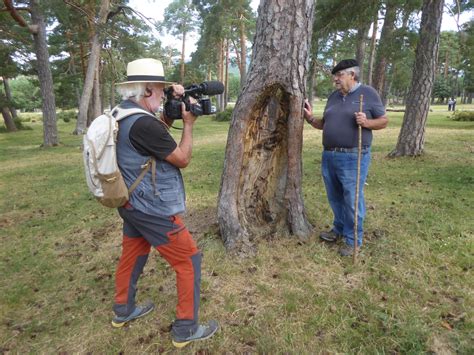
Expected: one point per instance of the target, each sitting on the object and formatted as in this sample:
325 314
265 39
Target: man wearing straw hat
350 106
151 216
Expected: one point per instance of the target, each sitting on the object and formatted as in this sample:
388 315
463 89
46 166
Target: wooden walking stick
356 203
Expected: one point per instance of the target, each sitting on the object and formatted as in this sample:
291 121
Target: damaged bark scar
264 172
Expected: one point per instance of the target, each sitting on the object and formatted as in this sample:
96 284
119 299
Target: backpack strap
151 163
121 113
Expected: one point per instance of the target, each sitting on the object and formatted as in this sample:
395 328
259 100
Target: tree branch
18 18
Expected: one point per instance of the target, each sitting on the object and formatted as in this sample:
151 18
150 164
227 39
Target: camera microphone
212 88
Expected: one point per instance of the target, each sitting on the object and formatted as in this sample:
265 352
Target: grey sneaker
347 250
330 236
138 312
202 332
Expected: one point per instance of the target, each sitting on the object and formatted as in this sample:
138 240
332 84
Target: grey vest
168 196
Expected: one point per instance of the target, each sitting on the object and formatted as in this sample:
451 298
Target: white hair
132 90
355 70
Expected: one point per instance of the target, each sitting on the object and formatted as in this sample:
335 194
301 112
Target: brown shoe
330 236
347 250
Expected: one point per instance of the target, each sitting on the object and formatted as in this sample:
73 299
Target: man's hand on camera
188 116
178 90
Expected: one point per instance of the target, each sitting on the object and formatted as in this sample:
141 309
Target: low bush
225 115
463 116
67 116
19 125
30 117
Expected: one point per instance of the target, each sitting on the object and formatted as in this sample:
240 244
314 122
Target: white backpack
100 158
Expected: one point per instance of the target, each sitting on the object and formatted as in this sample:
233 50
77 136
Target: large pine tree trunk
94 57
412 134
260 191
50 131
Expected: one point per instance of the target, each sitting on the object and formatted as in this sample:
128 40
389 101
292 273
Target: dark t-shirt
150 136
340 127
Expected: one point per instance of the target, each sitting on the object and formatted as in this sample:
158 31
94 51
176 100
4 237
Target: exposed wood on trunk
260 193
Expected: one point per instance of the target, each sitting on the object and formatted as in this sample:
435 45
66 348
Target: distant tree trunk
94 57
412 134
361 43
183 54
96 90
112 93
7 118
373 42
311 78
260 192
243 55
50 131
220 75
384 50
226 81
9 97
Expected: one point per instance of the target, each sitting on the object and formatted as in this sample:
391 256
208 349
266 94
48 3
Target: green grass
411 292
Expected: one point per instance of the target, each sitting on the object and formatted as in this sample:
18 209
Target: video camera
196 91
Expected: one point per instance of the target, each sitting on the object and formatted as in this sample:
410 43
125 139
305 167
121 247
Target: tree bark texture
50 131
94 57
260 194
412 134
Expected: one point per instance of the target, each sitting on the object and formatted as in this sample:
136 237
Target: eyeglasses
339 74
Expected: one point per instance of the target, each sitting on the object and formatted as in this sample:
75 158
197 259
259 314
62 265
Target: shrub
21 127
30 117
225 115
67 116
463 116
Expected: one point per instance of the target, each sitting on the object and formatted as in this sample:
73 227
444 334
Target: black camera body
196 91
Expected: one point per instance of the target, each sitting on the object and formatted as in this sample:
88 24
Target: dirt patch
439 345
202 221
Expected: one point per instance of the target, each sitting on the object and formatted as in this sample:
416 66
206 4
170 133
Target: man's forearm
186 142
316 122
377 123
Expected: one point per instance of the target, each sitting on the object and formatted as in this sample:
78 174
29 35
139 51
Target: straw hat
145 70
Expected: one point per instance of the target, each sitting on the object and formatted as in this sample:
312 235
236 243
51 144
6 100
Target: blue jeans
339 171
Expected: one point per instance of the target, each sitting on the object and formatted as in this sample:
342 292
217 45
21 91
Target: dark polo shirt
340 127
